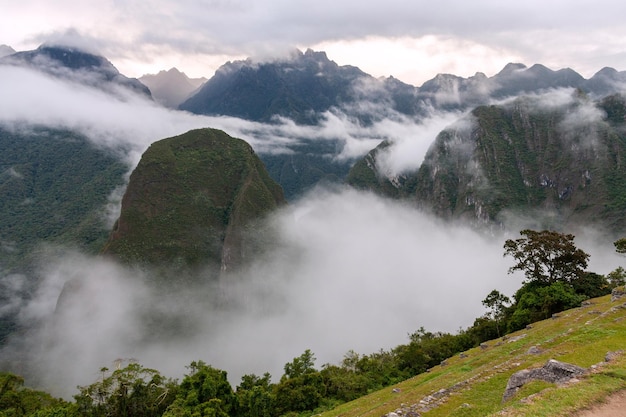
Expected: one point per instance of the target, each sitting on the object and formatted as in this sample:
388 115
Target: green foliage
130 391
616 278
205 391
17 400
254 396
497 302
546 257
303 364
536 301
191 198
620 245
591 285
53 187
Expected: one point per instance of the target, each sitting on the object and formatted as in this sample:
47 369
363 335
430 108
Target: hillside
54 185
559 164
473 383
192 200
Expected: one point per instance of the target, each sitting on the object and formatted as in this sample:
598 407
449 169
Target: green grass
476 382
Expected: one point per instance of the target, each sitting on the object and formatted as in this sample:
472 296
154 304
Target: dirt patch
613 406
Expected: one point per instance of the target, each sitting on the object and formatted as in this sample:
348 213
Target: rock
611 356
618 293
553 371
534 350
516 338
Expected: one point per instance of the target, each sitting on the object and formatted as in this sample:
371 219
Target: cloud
459 37
411 142
349 270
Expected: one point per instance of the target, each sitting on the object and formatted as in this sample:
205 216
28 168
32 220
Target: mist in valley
348 270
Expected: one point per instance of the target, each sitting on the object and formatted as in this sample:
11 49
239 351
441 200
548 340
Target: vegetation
36 206
190 197
522 158
555 281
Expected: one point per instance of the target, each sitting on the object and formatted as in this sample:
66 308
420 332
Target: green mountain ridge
561 165
192 200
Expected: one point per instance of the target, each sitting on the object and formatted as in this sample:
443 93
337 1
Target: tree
616 277
496 302
130 391
546 257
620 245
205 391
254 396
538 302
301 365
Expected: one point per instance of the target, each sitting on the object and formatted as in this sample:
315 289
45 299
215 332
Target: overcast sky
411 40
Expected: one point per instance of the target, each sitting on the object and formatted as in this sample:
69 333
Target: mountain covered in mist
304 85
553 160
54 189
192 201
171 87
76 65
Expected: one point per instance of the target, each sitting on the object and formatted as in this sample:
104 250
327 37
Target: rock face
553 371
192 201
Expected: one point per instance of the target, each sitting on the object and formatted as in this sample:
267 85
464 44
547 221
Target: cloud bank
349 271
447 36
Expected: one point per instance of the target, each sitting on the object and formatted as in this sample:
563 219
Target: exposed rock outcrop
553 371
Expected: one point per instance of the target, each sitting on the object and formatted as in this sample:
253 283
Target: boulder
553 371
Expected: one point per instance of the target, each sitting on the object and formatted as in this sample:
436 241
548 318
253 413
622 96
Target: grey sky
410 40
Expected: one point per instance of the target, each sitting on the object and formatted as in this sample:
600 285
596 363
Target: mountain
172 87
192 201
78 66
6 50
306 84
298 88
559 164
606 81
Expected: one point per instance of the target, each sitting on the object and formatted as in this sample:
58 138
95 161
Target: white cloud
349 271
410 40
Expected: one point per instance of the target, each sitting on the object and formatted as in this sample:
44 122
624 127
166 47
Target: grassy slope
476 382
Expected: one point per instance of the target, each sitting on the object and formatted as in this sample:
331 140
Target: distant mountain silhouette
76 65
171 87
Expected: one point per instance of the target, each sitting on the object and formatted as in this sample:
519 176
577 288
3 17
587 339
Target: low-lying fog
349 271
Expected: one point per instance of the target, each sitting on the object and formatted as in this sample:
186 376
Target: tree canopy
546 257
